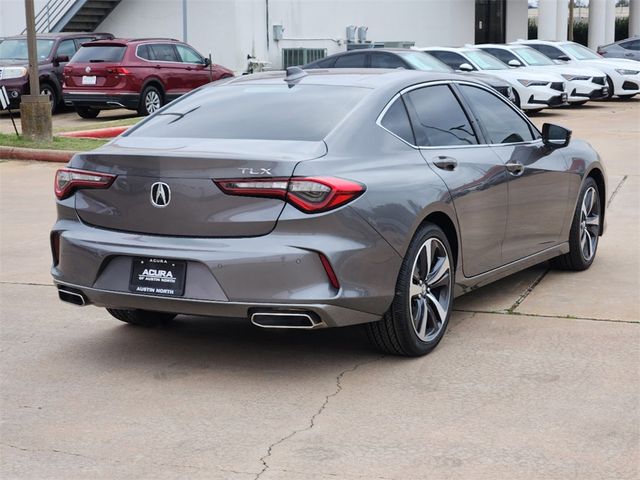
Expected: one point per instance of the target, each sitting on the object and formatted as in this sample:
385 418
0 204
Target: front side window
533 57
424 61
351 61
396 120
188 55
454 60
501 54
384 60
439 118
255 112
552 52
501 122
484 61
579 52
66 47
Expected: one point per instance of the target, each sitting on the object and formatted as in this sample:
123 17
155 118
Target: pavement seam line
617 189
543 315
529 289
29 284
312 420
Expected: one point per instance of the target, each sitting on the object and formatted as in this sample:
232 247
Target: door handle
445 163
515 168
157 66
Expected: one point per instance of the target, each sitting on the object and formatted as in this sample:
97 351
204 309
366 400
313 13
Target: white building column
517 18
562 19
597 19
610 22
547 19
634 17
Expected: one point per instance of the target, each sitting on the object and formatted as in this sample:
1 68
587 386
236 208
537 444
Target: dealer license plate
158 276
89 80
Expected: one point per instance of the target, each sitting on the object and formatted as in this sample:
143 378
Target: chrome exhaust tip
290 320
69 295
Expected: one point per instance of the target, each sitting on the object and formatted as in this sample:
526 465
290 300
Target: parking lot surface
537 377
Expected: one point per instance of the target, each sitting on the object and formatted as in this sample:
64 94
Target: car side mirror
564 58
555 136
61 59
514 63
206 62
465 67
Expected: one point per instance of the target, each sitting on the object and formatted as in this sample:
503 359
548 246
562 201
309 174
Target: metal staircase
73 15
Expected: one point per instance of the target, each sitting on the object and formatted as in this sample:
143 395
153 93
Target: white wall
12 19
232 29
517 20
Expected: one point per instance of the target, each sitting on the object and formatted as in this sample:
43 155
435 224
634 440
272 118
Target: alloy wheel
47 92
152 101
430 289
589 223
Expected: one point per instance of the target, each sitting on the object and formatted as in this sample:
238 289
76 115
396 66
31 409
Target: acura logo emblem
160 194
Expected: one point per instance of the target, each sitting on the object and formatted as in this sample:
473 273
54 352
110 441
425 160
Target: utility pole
35 109
184 21
570 32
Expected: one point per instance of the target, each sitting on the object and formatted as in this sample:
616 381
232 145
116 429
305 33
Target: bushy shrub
581 29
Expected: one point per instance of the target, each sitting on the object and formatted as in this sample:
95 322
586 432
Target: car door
195 73
473 173
66 48
168 68
539 181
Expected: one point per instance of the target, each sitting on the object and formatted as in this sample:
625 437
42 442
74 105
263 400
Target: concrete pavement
537 377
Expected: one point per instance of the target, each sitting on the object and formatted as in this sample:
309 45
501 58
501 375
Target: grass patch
58 143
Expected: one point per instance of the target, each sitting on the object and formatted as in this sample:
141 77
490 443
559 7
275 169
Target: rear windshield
258 112
99 53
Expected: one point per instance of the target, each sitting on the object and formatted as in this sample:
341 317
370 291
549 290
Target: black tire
516 99
50 91
151 100
534 111
610 92
578 258
397 332
142 318
87 112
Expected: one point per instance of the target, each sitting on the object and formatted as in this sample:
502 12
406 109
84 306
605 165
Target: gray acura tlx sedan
324 199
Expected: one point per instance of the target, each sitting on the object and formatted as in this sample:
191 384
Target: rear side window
101 53
501 122
357 60
396 120
439 118
255 111
162 52
325 63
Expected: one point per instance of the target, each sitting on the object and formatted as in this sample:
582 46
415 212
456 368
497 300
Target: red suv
140 74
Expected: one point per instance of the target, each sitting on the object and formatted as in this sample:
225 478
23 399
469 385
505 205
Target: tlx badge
255 171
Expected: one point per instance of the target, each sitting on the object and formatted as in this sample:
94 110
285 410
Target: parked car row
95 71
534 74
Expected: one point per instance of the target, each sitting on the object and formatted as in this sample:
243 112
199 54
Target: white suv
584 83
533 90
623 76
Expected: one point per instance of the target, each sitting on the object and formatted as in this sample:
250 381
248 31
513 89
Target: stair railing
50 14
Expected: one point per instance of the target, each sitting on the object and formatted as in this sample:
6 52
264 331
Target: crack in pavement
529 289
312 420
543 315
30 284
617 189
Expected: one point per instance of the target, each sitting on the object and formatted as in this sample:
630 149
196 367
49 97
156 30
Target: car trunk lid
165 186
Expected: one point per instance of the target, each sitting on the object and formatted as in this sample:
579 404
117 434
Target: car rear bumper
102 100
232 277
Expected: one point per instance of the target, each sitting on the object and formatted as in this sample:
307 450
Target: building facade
281 31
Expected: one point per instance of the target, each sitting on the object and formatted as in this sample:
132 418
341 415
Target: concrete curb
17 153
97 133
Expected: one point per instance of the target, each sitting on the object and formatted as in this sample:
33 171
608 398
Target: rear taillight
311 195
118 71
69 180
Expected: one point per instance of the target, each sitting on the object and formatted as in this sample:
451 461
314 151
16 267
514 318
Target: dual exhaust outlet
266 319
